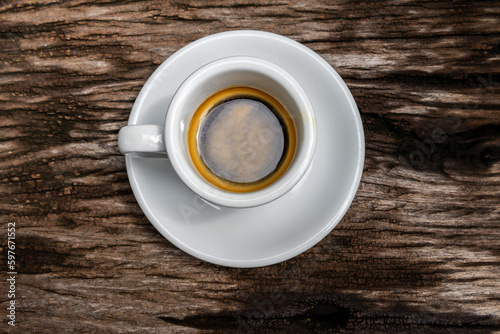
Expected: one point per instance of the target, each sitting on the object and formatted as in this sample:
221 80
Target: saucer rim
328 226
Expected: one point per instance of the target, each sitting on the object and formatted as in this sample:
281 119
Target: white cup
170 138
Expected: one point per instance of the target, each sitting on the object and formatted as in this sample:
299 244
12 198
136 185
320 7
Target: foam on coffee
241 141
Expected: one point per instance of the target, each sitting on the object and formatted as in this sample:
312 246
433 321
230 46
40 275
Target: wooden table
418 251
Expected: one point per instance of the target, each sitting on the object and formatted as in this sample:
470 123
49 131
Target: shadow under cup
184 118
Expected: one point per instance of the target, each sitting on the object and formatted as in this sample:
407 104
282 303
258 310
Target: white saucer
276 231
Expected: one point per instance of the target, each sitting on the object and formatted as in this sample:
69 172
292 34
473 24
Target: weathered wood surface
418 251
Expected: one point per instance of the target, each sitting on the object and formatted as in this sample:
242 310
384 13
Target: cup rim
180 159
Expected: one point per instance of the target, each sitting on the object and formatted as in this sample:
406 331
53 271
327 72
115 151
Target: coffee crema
241 139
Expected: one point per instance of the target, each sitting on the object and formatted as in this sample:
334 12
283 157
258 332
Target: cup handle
144 141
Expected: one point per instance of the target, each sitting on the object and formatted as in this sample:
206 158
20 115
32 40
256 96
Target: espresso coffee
241 139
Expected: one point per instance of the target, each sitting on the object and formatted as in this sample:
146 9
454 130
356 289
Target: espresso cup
239 132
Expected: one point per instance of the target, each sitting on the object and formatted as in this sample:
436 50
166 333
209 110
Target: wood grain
418 251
